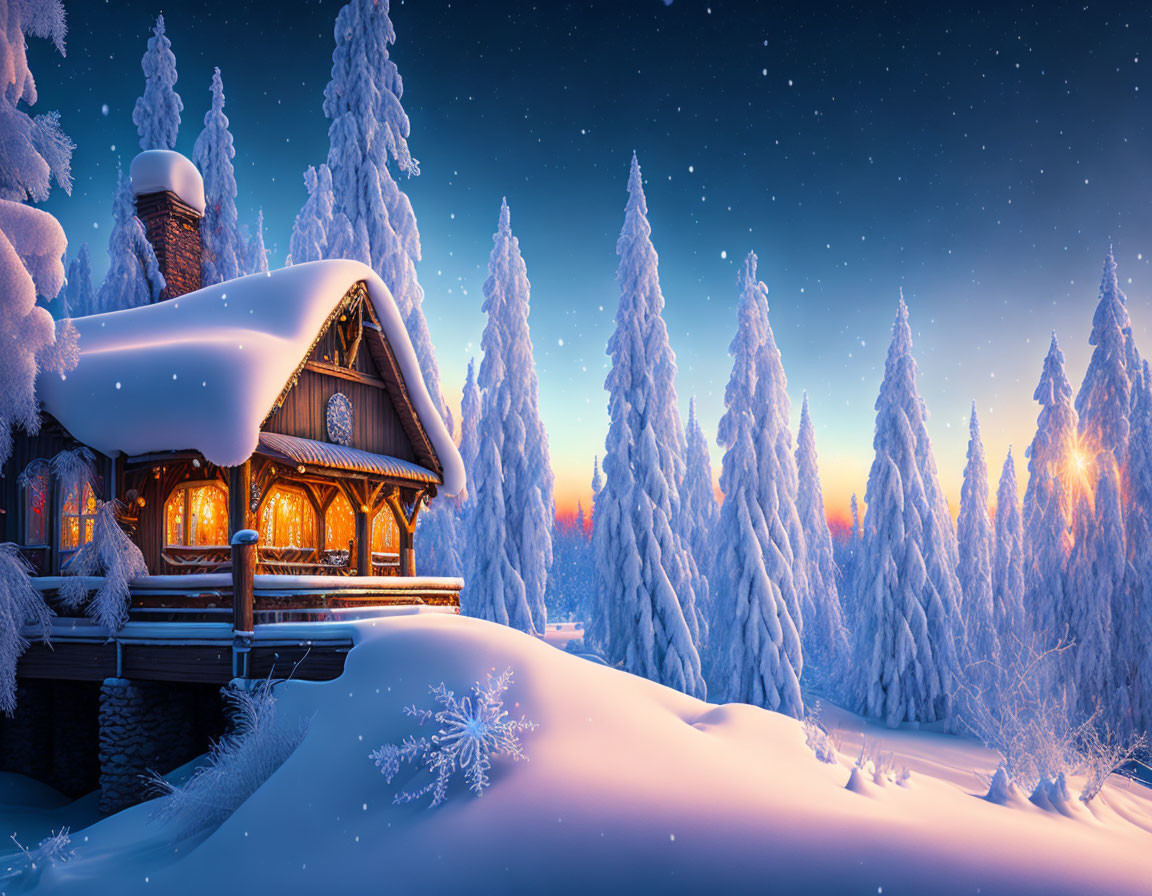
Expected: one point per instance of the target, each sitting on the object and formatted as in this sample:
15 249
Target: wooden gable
352 356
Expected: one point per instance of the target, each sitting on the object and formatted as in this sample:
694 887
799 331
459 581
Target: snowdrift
630 787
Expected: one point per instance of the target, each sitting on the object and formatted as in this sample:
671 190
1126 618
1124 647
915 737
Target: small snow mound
1002 791
1052 795
157 170
860 781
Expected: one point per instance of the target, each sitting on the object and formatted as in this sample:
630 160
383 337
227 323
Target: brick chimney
170 203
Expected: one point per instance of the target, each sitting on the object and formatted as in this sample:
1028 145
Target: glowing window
339 524
287 519
36 506
196 515
385 534
77 517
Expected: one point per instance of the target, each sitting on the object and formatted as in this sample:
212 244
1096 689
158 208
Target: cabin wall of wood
376 426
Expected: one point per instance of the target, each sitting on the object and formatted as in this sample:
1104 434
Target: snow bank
630 788
202 371
157 170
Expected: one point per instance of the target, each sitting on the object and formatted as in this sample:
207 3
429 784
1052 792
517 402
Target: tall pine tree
1008 562
825 638
1133 627
255 254
133 276
906 582
646 614
756 636
469 424
509 551
157 112
699 508
373 219
222 258
80 299
310 231
1054 467
981 641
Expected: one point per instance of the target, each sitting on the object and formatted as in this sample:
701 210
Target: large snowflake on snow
473 729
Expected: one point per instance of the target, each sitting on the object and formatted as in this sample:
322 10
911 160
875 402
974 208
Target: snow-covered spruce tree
848 569
80 299
255 254
698 506
774 453
33 153
310 231
1096 571
1053 472
510 590
157 112
905 645
1133 626
469 424
825 638
133 276
980 642
756 653
223 257
1008 561
369 130
645 615
1105 398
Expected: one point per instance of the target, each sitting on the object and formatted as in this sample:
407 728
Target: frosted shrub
817 737
236 766
112 554
472 730
23 873
20 604
1036 729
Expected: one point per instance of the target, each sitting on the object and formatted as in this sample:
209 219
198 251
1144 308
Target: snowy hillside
630 787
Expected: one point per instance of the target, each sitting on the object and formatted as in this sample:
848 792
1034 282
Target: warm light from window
196 515
287 519
339 524
385 534
77 518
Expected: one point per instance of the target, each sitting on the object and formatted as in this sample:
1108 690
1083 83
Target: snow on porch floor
631 787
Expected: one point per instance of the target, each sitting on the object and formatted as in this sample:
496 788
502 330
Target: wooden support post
239 489
363 543
407 555
243 599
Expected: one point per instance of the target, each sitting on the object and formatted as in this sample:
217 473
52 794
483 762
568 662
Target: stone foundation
150 727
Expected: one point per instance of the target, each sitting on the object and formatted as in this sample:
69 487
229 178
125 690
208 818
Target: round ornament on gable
339 419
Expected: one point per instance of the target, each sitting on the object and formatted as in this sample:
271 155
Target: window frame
185 487
317 533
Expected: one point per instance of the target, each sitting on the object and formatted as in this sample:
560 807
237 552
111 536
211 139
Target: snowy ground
631 787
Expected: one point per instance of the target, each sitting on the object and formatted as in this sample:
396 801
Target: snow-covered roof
202 372
157 170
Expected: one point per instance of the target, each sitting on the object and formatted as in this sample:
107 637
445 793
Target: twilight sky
980 159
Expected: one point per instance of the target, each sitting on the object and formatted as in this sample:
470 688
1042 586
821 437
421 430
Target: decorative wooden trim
345 373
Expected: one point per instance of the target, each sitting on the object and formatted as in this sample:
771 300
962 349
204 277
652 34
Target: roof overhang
298 452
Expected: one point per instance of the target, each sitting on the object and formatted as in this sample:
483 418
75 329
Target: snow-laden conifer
255 254
905 648
645 615
1133 627
310 231
157 112
1055 467
1096 571
223 256
520 505
373 219
825 639
1008 561
1105 397
755 637
80 298
33 153
981 643
469 425
134 276
698 506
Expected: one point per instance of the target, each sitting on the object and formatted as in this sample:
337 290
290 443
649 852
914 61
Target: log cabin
270 443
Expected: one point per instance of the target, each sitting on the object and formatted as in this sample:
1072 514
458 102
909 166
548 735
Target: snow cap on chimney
162 170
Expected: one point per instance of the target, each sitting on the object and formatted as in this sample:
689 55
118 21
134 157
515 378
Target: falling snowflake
473 729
